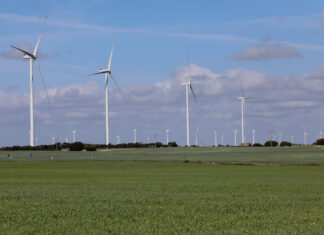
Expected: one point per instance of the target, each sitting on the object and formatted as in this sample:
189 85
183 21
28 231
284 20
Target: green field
265 155
167 196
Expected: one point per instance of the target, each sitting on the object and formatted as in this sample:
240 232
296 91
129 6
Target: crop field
264 155
127 192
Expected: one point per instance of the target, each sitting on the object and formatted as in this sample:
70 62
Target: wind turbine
196 133
32 56
215 137
253 136
235 134
167 136
108 72
188 86
134 133
74 135
305 137
242 98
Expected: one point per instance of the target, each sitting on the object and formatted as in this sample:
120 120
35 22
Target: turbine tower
134 132
188 86
167 136
108 73
253 136
280 137
196 133
215 138
242 99
32 56
74 135
305 137
292 140
235 134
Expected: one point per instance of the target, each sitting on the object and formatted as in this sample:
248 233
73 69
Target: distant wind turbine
235 134
280 137
215 138
108 72
74 135
253 136
242 98
32 56
167 136
134 132
305 137
188 86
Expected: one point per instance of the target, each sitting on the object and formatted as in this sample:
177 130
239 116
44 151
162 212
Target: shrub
271 143
90 147
77 146
257 145
172 144
320 142
158 144
285 143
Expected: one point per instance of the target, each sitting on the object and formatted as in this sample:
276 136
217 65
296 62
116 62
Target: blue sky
275 47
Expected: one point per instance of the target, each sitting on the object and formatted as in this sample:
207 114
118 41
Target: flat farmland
230 155
127 192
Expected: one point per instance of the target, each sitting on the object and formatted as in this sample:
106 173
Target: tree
76 146
320 142
285 143
257 145
271 143
90 147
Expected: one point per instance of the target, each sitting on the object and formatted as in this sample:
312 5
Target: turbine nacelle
104 71
25 56
185 84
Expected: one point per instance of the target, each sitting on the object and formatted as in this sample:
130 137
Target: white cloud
15 54
322 18
152 106
265 52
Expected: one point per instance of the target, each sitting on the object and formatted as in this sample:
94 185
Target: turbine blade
193 93
112 51
43 81
91 74
243 95
120 91
23 51
40 37
188 63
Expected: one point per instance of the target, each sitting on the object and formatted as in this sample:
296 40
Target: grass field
268 155
38 195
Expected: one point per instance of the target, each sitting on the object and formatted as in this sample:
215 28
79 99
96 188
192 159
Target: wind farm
226 139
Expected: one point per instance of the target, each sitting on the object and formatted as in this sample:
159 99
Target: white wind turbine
235 134
167 136
188 86
32 56
108 72
242 98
